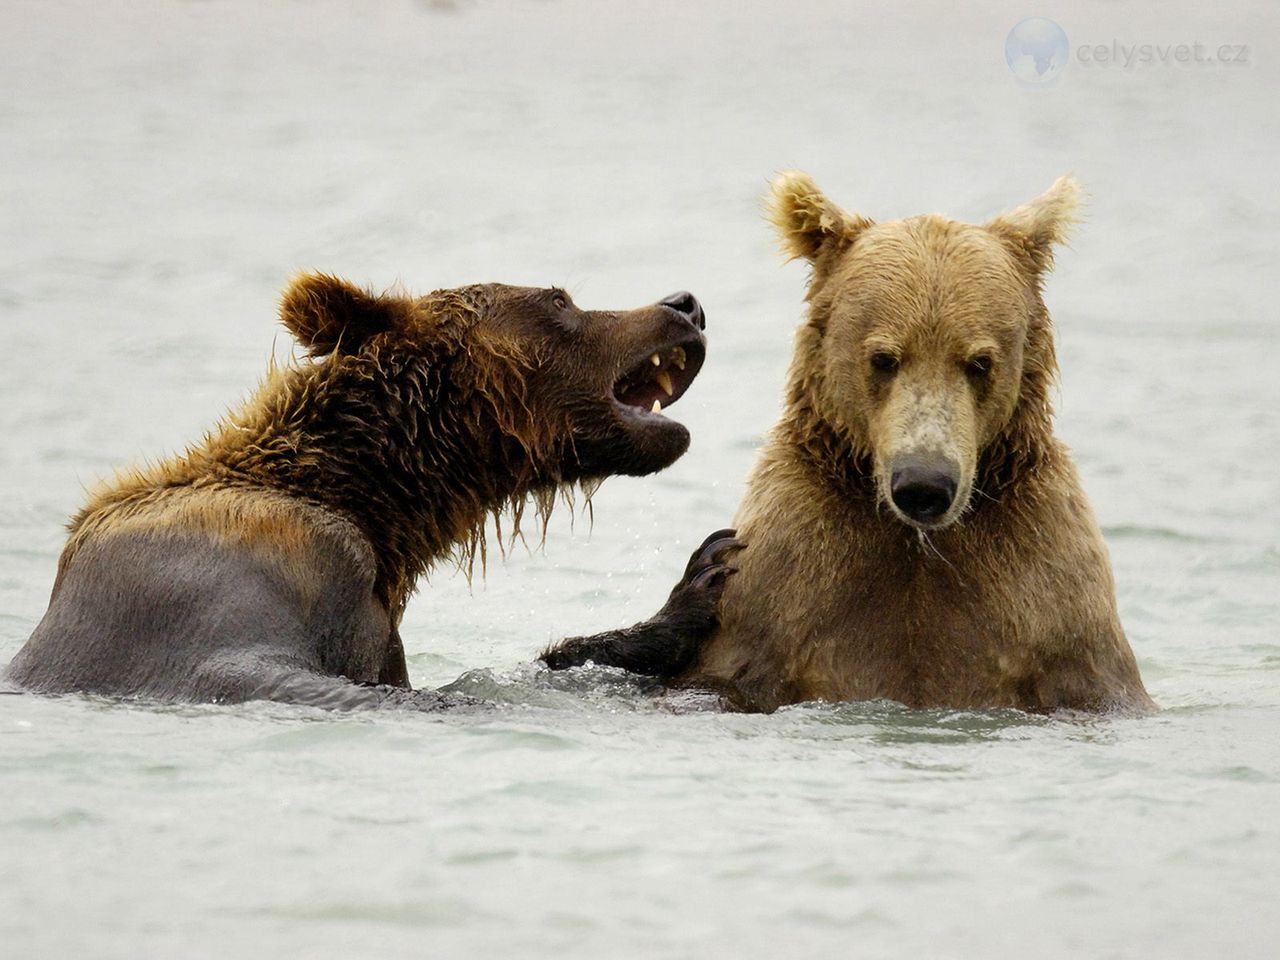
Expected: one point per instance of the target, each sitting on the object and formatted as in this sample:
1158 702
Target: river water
168 164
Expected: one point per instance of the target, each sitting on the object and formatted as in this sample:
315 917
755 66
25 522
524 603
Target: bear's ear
806 221
326 314
1032 230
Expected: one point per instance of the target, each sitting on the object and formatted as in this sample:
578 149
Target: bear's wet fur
915 530
274 558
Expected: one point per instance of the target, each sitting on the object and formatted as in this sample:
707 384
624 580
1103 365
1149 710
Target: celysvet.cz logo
1037 51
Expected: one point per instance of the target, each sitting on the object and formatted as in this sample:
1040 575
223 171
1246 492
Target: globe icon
1036 50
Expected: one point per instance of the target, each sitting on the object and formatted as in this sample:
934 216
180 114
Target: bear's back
200 595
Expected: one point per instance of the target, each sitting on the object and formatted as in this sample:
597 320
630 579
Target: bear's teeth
664 381
657 407
657 360
678 357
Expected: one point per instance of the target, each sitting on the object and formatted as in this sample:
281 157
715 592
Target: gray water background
166 165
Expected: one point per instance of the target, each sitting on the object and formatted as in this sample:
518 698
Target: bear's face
922 356
599 379
919 338
582 392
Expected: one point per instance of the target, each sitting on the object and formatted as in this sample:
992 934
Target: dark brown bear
273 560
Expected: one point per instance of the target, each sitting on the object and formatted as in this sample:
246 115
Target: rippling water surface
168 164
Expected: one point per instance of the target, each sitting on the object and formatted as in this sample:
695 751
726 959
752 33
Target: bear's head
927 349
530 380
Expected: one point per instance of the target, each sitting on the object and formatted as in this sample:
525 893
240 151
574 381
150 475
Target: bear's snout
687 305
924 488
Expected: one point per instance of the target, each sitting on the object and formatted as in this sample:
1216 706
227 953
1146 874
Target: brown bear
916 532
273 560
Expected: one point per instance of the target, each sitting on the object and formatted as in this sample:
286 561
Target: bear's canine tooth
664 381
678 357
657 360
657 407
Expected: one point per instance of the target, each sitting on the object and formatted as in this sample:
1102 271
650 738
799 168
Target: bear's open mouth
662 377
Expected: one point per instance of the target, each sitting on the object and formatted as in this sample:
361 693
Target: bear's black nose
687 304
923 490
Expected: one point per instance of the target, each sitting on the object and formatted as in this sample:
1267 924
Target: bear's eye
884 362
978 367
561 311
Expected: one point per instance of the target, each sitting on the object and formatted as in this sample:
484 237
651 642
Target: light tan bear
914 529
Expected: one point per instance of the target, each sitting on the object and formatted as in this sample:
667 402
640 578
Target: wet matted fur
274 558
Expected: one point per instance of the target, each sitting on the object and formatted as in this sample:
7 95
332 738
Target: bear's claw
705 576
668 643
